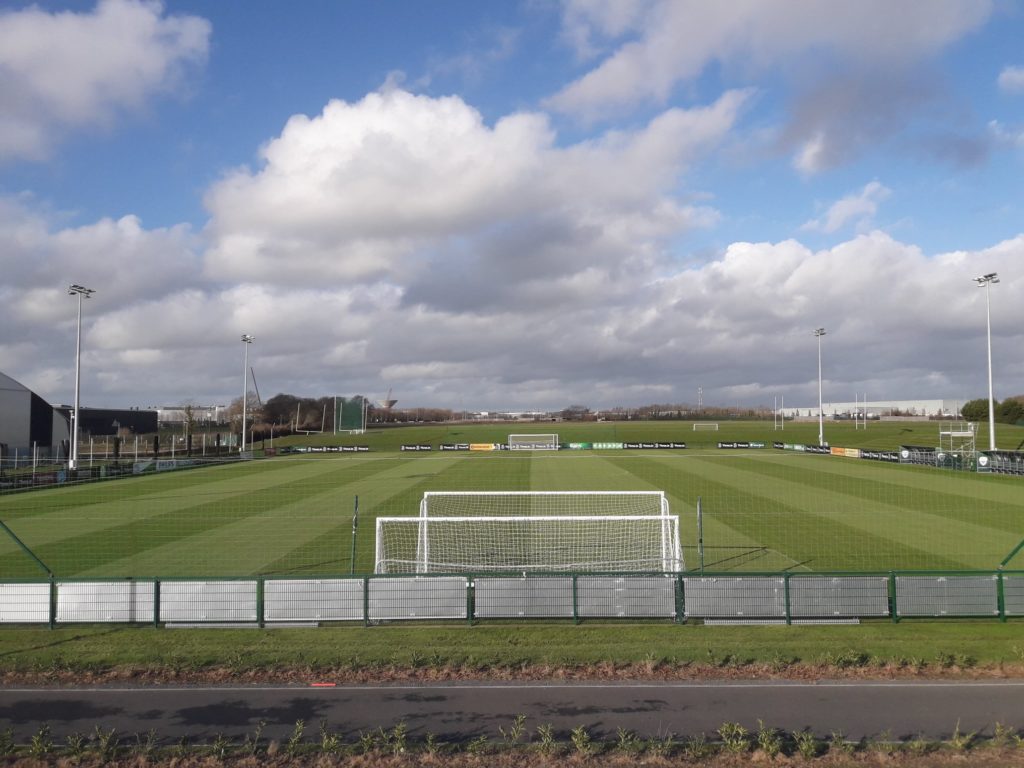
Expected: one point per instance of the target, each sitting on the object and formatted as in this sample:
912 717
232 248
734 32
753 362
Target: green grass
510 645
763 510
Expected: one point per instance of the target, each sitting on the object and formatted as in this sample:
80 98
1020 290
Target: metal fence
789 598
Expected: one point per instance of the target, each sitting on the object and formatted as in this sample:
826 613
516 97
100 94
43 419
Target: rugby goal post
533 442
702 425
520 532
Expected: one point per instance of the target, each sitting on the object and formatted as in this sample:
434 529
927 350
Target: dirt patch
653 672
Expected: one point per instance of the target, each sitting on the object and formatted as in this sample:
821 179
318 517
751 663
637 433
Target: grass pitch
763 510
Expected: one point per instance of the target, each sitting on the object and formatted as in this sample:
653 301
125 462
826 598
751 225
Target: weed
883 743
181 749
220 747
7 746
847 659
398 737
780 662
330 743
77 744
697 747
146 747
514 734
581 741
919 746
481 745
432 746
367 742
839 745
1002 734
41 744
806 744
662 746
734 737
629 743
547 744
251 745
107 742
769 740
960 741
295 740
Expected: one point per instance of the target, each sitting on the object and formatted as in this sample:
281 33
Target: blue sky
512 205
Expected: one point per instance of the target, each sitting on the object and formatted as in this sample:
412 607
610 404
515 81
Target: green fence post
469 600
156 602
260 615
575 607
366 601
893 603
785 597
355 528
53 602
680 600
1000 596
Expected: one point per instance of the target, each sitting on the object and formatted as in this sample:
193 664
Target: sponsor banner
482 447
454 446
608 446
656 446
893 456
331 448
918 454
416 447
851 453
837 451
780 446
820 449
580 446
741 444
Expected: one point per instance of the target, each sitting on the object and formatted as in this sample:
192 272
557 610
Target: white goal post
532 531
710 425
533 442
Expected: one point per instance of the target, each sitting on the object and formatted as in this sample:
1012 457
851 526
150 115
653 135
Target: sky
512 206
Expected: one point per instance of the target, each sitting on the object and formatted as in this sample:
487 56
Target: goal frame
663 508
671 551
533 442
708 425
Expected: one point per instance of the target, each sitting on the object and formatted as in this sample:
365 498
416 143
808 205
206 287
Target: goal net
533 442
510 531
711 426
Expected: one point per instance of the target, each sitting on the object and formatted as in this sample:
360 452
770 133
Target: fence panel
626 596
122 602
442 597
1013 594
947 595
838 596
208 601
313 599
528 598
25 603
758 597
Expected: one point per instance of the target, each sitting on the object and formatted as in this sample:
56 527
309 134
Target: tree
975 410
1010 411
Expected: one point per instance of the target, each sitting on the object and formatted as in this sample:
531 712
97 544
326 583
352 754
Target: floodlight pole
984 282
246 340
81 292
818 333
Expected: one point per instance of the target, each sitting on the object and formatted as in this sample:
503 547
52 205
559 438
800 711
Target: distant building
879 408
169 415
26 420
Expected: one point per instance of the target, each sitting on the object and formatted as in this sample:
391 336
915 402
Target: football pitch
762 510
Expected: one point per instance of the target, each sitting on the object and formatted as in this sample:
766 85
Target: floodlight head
247 338
991 277
819 332
80 290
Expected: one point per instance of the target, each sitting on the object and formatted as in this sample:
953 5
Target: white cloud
1011 79
856 71
401 241
859 208
64 71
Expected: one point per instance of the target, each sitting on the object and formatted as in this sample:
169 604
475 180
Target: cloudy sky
512 205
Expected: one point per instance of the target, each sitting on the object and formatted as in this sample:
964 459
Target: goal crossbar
544 503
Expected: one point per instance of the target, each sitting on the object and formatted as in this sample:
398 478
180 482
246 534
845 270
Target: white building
878 408
202 414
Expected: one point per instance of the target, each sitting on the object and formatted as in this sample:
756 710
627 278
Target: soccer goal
533 442
705 425
519 532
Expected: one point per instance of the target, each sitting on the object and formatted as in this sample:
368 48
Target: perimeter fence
787 598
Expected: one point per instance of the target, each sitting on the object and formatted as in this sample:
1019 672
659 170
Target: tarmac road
454 711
